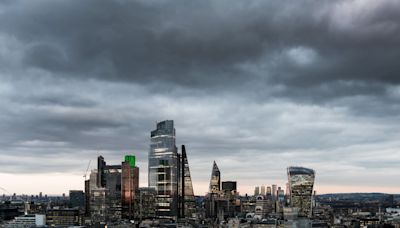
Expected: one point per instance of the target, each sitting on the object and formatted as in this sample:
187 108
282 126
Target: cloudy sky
254 85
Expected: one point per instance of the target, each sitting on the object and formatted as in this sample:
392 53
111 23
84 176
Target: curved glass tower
301 183
163 164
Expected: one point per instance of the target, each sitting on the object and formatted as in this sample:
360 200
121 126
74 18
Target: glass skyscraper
215 182
163 169
188 202
301 183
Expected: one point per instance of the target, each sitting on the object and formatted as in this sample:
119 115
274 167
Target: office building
281 195
104 188
301 183
112 174
129 185
32 220
98 205
215 182
274 189
187 201
77 199
101 164
163 169
63 217
145 203
263 190
229 187
256 191
287 190
269 192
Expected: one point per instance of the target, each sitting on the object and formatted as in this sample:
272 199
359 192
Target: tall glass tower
188 201
163 169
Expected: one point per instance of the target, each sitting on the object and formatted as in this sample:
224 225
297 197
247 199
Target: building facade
301 183
77 199
129 185
215 182
163 169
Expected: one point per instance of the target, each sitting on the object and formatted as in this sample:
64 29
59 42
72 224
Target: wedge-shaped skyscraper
188 202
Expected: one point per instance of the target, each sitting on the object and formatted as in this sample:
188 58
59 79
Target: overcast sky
254 85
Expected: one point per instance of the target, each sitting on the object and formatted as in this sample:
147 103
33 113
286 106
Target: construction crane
85 174
5 190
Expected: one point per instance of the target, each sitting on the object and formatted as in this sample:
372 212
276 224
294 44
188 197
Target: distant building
281 195
63 217
130 184
98 204
112 174
301 182
101 165
215 182
76 199
256 191
269 192
274 189
26 221
229 187
87 197
263 190
287 190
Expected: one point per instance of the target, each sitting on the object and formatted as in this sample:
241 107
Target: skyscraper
76 199
269 192
188 202
112 174
256 191
287 190
129 185
301 183
214 192
263 190
274 192
163 169
104 189
215 182
101 164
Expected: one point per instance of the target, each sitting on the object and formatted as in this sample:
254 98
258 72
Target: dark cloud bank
249 84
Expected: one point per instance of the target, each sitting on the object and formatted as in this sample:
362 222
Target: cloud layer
256 86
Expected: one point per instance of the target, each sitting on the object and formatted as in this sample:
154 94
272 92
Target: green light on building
131 159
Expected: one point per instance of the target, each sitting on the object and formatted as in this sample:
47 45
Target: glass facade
301 183
163 169
215 182
130 184
189 202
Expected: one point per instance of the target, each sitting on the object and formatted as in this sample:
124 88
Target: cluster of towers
273 192
110 192
113 193
223 203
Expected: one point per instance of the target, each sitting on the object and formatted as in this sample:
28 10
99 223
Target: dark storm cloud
205 43
250 84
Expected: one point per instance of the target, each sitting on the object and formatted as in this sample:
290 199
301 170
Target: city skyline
256 87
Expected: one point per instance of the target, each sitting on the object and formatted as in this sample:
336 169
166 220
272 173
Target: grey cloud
256 85
203 44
